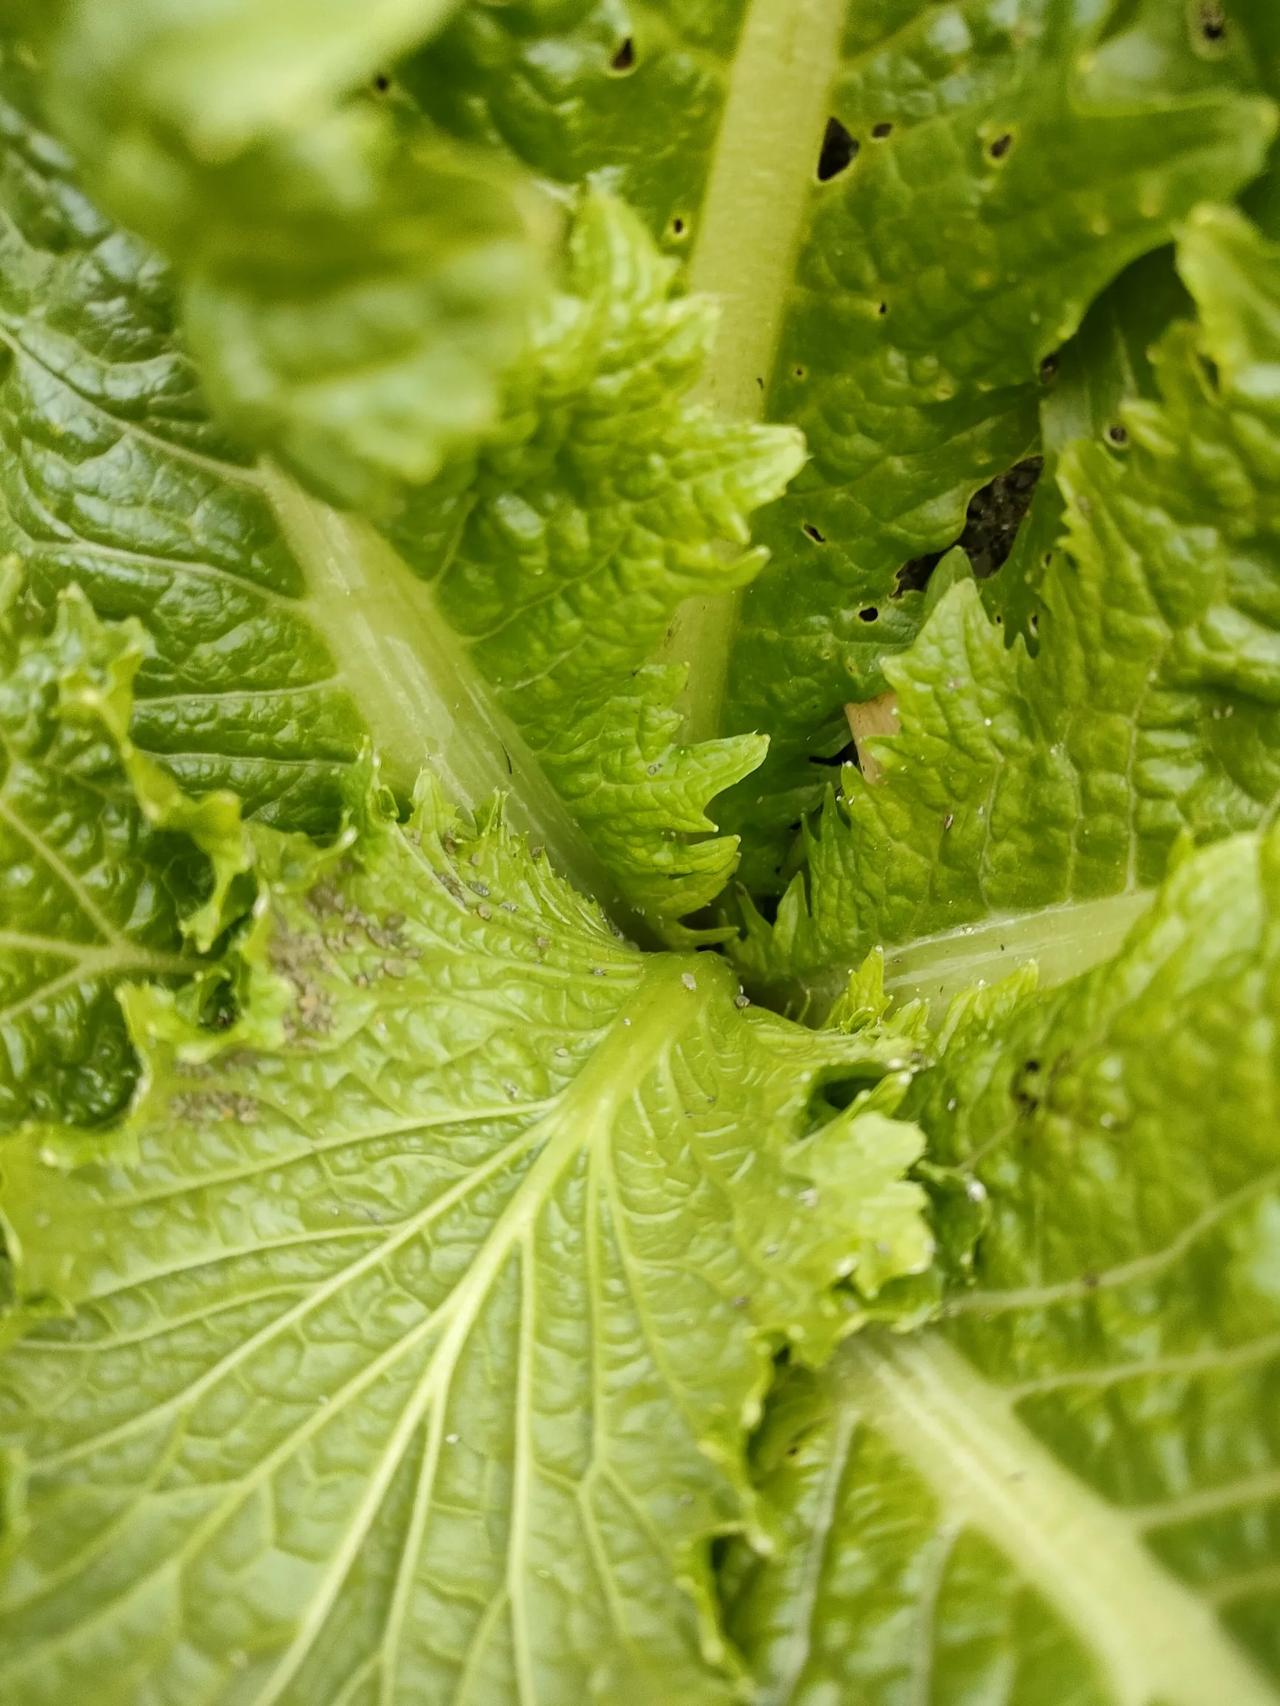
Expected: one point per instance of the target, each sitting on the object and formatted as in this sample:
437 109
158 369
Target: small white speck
688 980
452 1439
975 1190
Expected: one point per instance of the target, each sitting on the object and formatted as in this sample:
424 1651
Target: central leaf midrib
751 227
1064 940
422 700
1152 1638
641 1032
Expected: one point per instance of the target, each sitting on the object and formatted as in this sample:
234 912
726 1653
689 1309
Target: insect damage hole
1213 21
625 58
839 151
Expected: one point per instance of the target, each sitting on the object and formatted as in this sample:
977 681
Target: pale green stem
1063 941
420 696
1153 1638
751 227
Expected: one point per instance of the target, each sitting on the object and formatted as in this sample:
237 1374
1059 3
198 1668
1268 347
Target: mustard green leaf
1066 1490
503 625
354 287
419 1320
561 550
108 872
904 208
1028 805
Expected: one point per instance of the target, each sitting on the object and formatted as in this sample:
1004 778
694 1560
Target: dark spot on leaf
1090 1280
624 59
869 614
677 227
883 308
1048 368
800 373
1117 434
880 131
1026 1099
382 82
813 533
839 150
1001 146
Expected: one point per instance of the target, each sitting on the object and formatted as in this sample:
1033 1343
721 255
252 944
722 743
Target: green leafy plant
639 967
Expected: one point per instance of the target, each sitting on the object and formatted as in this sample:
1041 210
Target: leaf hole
624 59
994 517
880 131
1117 434
1048 368
812 532
847 754
839 151
678 226
1001 146
1213 20
869 614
